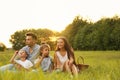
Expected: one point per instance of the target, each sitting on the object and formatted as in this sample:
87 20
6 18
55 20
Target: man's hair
31 34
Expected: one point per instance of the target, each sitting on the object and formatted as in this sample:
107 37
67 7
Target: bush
2 47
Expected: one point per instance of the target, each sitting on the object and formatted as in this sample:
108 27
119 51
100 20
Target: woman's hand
70 63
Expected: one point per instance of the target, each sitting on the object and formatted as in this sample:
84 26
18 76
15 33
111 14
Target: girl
64 59
44 60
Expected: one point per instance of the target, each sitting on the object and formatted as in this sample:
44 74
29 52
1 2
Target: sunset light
51 14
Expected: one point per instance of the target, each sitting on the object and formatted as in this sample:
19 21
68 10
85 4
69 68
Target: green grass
104 65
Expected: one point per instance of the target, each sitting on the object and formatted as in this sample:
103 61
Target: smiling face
23 54
60 43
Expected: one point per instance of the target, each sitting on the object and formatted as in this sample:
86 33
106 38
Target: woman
64 59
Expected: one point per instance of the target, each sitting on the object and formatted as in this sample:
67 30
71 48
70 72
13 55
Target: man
31 48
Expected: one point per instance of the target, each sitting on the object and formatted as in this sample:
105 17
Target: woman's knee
74 68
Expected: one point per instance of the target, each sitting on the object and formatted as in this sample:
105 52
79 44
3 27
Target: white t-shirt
26 64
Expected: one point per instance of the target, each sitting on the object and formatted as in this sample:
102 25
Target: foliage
101 35
18 38
81 34
2 47
72 29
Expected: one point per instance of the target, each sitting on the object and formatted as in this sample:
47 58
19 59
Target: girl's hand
43 55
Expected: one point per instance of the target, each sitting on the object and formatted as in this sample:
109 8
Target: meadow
104 65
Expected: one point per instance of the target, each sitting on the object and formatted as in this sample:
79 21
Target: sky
55 15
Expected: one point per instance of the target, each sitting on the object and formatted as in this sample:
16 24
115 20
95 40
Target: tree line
81 33
101 35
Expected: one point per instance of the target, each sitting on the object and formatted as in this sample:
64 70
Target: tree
2 47
101 35
18 38
72 29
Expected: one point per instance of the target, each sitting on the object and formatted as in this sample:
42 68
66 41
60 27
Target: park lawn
103 65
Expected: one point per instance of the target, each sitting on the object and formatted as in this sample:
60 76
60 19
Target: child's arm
55 61
13 57
38 62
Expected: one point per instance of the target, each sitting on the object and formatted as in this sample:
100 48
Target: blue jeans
6 67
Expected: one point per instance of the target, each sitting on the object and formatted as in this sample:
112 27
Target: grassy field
104 65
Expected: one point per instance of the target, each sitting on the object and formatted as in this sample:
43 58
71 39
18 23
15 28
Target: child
23 63
44 60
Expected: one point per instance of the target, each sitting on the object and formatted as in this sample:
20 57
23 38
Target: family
34 56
